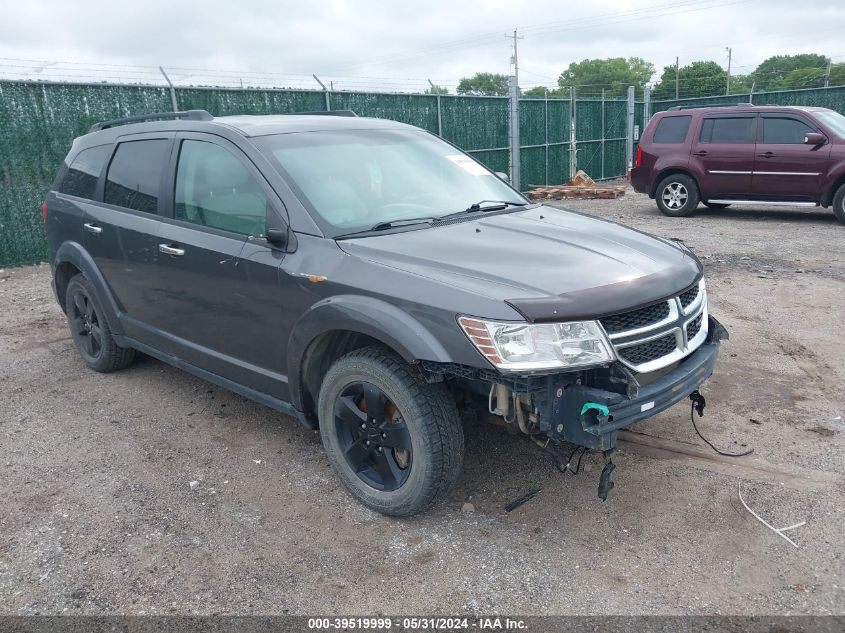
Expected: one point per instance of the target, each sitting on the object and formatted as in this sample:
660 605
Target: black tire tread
839 204
439 413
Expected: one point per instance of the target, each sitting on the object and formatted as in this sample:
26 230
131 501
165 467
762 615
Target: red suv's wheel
677 195
839 204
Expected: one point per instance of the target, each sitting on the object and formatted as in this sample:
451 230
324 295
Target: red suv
742 154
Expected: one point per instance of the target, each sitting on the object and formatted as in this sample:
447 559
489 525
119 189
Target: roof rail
715 105
327 113
190 115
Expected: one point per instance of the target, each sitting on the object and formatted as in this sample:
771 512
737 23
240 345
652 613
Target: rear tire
90 331
409 453
677 195
715 205
839 204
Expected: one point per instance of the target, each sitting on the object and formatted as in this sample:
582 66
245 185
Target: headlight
539 346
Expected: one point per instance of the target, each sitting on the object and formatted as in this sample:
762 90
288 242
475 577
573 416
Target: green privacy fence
38 122
833 98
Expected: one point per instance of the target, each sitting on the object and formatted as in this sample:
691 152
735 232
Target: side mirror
503 176
277 237
814 138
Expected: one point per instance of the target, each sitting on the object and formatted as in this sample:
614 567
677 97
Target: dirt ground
98 515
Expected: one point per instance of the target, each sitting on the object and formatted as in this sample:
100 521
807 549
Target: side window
135 174
672 129
786 130
214 188
83 173
728 130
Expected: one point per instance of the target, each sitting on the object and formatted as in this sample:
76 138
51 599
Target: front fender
375 318
74 253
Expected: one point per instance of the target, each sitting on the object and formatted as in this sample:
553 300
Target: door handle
700 153
766 154
171 250
93 229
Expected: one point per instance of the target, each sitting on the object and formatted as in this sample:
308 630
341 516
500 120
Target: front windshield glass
354 180
833 120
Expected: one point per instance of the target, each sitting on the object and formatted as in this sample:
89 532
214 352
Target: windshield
354 180
833 120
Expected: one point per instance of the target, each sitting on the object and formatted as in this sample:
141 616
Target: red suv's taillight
639 158
44 211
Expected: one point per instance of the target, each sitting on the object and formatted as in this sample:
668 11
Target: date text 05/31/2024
417 624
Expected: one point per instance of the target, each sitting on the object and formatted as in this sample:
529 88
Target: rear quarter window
81 177
672 129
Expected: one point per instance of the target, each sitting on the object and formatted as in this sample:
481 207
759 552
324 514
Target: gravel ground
99 515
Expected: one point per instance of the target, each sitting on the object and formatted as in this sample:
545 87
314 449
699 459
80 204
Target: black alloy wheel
373 436
85 325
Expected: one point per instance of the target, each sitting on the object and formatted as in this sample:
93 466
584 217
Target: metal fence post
629 134
513 99
603 134
172 90
573 140
325 92
546 132
439 118
646 107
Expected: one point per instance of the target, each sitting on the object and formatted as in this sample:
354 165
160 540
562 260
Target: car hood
547 263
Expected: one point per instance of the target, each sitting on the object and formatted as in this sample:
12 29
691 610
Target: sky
394 46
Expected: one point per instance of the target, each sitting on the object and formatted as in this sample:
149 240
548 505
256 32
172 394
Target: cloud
394 46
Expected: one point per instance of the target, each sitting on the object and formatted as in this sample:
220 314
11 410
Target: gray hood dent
546 263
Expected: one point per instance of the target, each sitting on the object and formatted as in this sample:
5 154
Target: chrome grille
693 327
650 338
635 319
650 350
688 296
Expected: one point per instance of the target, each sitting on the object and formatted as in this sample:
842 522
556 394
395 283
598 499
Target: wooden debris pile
580 186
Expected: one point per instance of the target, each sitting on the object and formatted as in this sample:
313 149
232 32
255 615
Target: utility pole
677 77
515 58
728 85
827 74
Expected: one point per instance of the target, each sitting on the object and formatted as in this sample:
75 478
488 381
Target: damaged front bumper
591 416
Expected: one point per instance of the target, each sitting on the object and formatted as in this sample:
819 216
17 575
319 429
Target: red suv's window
784 130
672 129
728 130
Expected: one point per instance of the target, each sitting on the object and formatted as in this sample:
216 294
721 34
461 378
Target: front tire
677 195
839 204
90 331
395 441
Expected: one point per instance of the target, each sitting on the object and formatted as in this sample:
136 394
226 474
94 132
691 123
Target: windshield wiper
391 224
489 205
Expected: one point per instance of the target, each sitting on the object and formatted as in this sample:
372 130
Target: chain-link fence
39 120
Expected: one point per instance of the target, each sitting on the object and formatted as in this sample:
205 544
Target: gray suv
371 280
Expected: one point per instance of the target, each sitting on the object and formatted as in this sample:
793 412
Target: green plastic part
601 408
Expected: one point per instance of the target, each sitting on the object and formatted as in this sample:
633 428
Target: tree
741 84
614 75
772 72
437 90
698 79
803 78
540 92
837 75
484 84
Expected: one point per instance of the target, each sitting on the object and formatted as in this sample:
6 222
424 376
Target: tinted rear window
82 175
672 129
784 130
728 130
134 175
